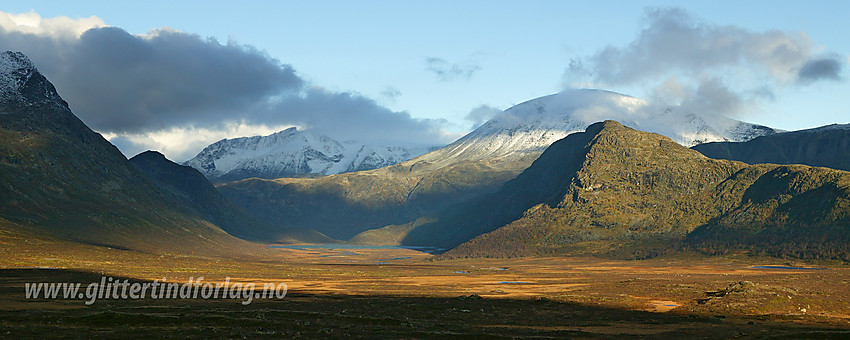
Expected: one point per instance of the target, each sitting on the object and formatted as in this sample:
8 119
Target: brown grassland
397 293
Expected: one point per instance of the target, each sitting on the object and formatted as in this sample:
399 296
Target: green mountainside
789 210
541 182
343 205
827 146
59 177
615 190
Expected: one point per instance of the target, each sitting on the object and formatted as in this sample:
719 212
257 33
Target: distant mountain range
827 146
480 162
294 153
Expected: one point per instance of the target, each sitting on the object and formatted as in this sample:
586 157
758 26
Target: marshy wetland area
405 293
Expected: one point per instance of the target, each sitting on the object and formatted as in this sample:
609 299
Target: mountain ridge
827 146
638 194
294 153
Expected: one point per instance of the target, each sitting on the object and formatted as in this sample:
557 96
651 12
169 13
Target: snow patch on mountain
15 70
22 84
291 153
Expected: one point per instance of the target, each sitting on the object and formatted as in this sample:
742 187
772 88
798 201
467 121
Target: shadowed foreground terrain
398 293
339 316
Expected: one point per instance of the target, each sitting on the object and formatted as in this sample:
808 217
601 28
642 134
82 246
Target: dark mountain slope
486 213
193 190
60 177
343 205
789 210
827 146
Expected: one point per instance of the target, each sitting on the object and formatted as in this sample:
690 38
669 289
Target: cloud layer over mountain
134 88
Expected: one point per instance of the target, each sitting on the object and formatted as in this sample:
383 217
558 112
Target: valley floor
392 293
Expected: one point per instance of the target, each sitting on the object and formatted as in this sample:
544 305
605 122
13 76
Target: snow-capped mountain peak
292 152
22 84
15 70
530 127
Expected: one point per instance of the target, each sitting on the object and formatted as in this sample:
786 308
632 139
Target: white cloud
180 143
446 135
680 60
481 114
59 27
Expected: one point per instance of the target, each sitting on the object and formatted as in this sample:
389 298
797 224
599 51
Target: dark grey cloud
121 83
481 114
818 69
117 82
446 71
713 97
674 41
703 60
349 116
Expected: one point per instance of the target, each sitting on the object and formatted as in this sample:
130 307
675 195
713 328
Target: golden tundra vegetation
402 293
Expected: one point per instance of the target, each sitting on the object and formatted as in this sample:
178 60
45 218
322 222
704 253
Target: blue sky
439 60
